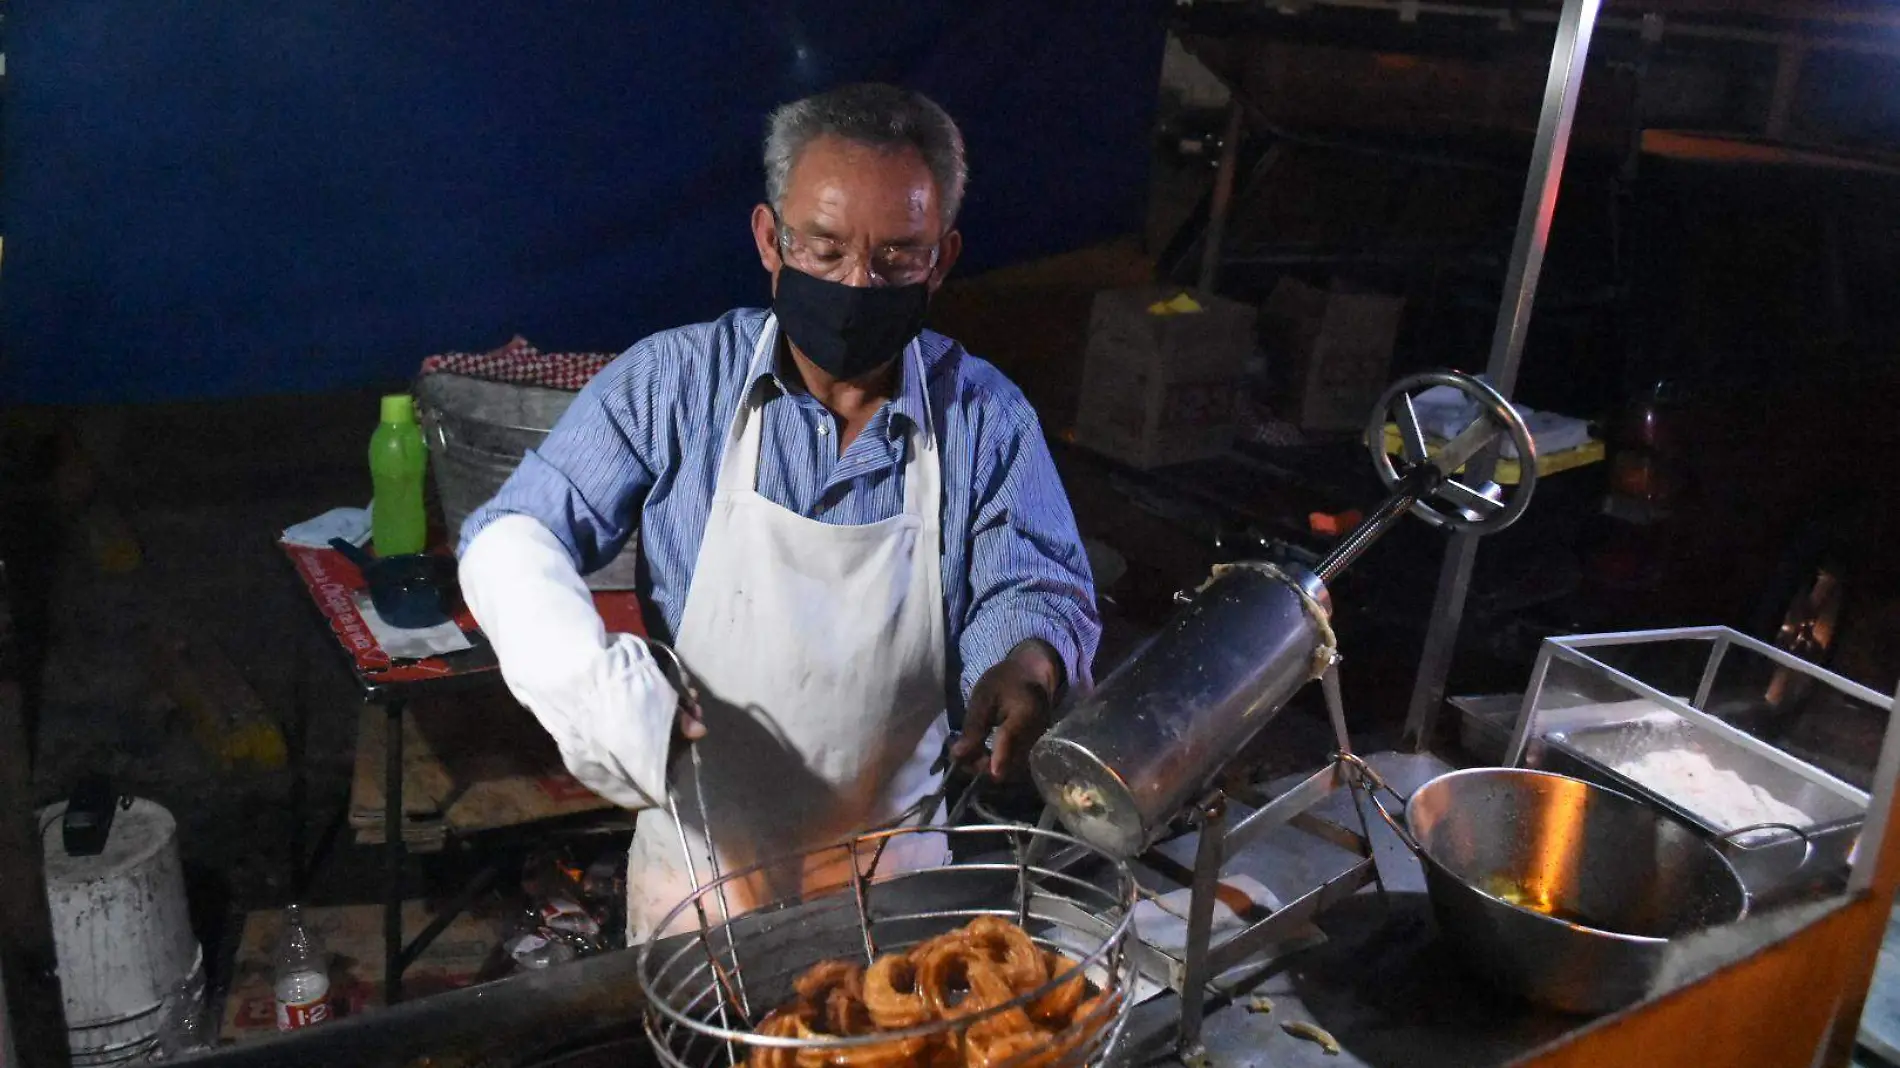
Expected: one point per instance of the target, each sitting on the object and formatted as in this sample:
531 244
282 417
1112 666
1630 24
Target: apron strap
739 459
923 438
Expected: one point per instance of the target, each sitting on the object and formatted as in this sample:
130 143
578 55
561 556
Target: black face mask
848 331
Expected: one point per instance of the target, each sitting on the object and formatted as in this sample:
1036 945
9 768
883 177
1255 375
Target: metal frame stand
32 1014
1201 961
398 955
1507 345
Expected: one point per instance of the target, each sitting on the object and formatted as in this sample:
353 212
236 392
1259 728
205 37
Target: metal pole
32 1013
393 848
1789 59
1223 196
1874 36
1873 834
1867 877
1507 343
7 1055
1207 864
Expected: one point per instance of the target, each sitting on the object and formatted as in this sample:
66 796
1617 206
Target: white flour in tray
1719 796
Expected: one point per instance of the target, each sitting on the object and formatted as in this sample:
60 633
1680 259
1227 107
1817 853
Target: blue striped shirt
640 448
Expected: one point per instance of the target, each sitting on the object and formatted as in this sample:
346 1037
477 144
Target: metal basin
477 433
1560 890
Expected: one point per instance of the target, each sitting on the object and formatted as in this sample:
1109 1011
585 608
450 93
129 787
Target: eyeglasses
821 257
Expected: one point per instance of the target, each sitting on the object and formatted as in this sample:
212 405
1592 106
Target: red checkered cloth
521 364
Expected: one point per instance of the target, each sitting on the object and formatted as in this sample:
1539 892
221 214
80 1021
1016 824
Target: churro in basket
1013 956
973 971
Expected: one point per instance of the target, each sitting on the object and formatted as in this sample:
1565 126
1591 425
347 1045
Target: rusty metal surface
1384 984
535 1018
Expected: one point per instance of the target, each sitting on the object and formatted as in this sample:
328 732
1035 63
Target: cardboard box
1329 352
1160 389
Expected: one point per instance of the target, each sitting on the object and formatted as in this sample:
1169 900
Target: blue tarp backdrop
220 198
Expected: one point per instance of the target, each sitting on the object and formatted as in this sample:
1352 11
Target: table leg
319 854
1207 864
393 852
296 737
448 913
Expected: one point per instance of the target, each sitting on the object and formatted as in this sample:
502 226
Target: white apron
819 654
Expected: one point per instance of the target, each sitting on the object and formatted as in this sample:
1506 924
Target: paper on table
350 524
1073 943
1162 923
1444 412
403 644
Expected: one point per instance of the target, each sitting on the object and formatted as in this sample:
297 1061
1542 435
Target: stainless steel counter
1381 983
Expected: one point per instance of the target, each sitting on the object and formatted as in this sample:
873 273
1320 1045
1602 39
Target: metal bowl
1563 891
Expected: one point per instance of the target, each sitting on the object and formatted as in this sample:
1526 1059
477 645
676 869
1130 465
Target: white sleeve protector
603 698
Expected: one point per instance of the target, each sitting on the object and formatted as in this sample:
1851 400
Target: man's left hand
1016 699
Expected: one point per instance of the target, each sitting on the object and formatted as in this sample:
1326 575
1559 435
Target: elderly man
848 527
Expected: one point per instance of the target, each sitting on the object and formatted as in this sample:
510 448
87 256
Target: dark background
228 199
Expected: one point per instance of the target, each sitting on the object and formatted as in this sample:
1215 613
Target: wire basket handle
924 811
731 981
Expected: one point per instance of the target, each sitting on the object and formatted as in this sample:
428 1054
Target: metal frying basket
707 991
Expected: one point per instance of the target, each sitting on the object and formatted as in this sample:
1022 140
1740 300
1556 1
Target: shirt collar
908 402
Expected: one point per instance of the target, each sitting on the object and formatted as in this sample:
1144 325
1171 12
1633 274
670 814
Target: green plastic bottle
397 461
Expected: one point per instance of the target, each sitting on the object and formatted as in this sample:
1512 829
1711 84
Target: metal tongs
732 982
931 803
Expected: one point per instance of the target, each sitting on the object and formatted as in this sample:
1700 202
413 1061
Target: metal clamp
1474 508
1372 783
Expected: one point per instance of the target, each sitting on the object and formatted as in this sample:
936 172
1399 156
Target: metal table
331 581
1880 1020
1381 983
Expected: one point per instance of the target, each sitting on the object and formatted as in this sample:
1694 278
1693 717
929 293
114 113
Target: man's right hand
690 726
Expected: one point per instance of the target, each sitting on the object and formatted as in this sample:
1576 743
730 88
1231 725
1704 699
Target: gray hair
880 116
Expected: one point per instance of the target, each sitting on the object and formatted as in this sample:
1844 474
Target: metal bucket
121 933
478 431
1560 890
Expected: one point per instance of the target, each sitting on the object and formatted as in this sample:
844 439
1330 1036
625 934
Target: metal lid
1091 799
139 833
398 408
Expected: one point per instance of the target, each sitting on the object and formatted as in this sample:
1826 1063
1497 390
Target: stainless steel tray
1615 745
1669 681
1767 866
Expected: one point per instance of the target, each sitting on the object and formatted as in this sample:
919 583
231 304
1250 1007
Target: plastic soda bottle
303 975
397 461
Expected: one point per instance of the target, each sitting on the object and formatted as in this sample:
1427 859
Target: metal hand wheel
1478 508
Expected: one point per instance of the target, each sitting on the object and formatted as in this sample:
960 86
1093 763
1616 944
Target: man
847 526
